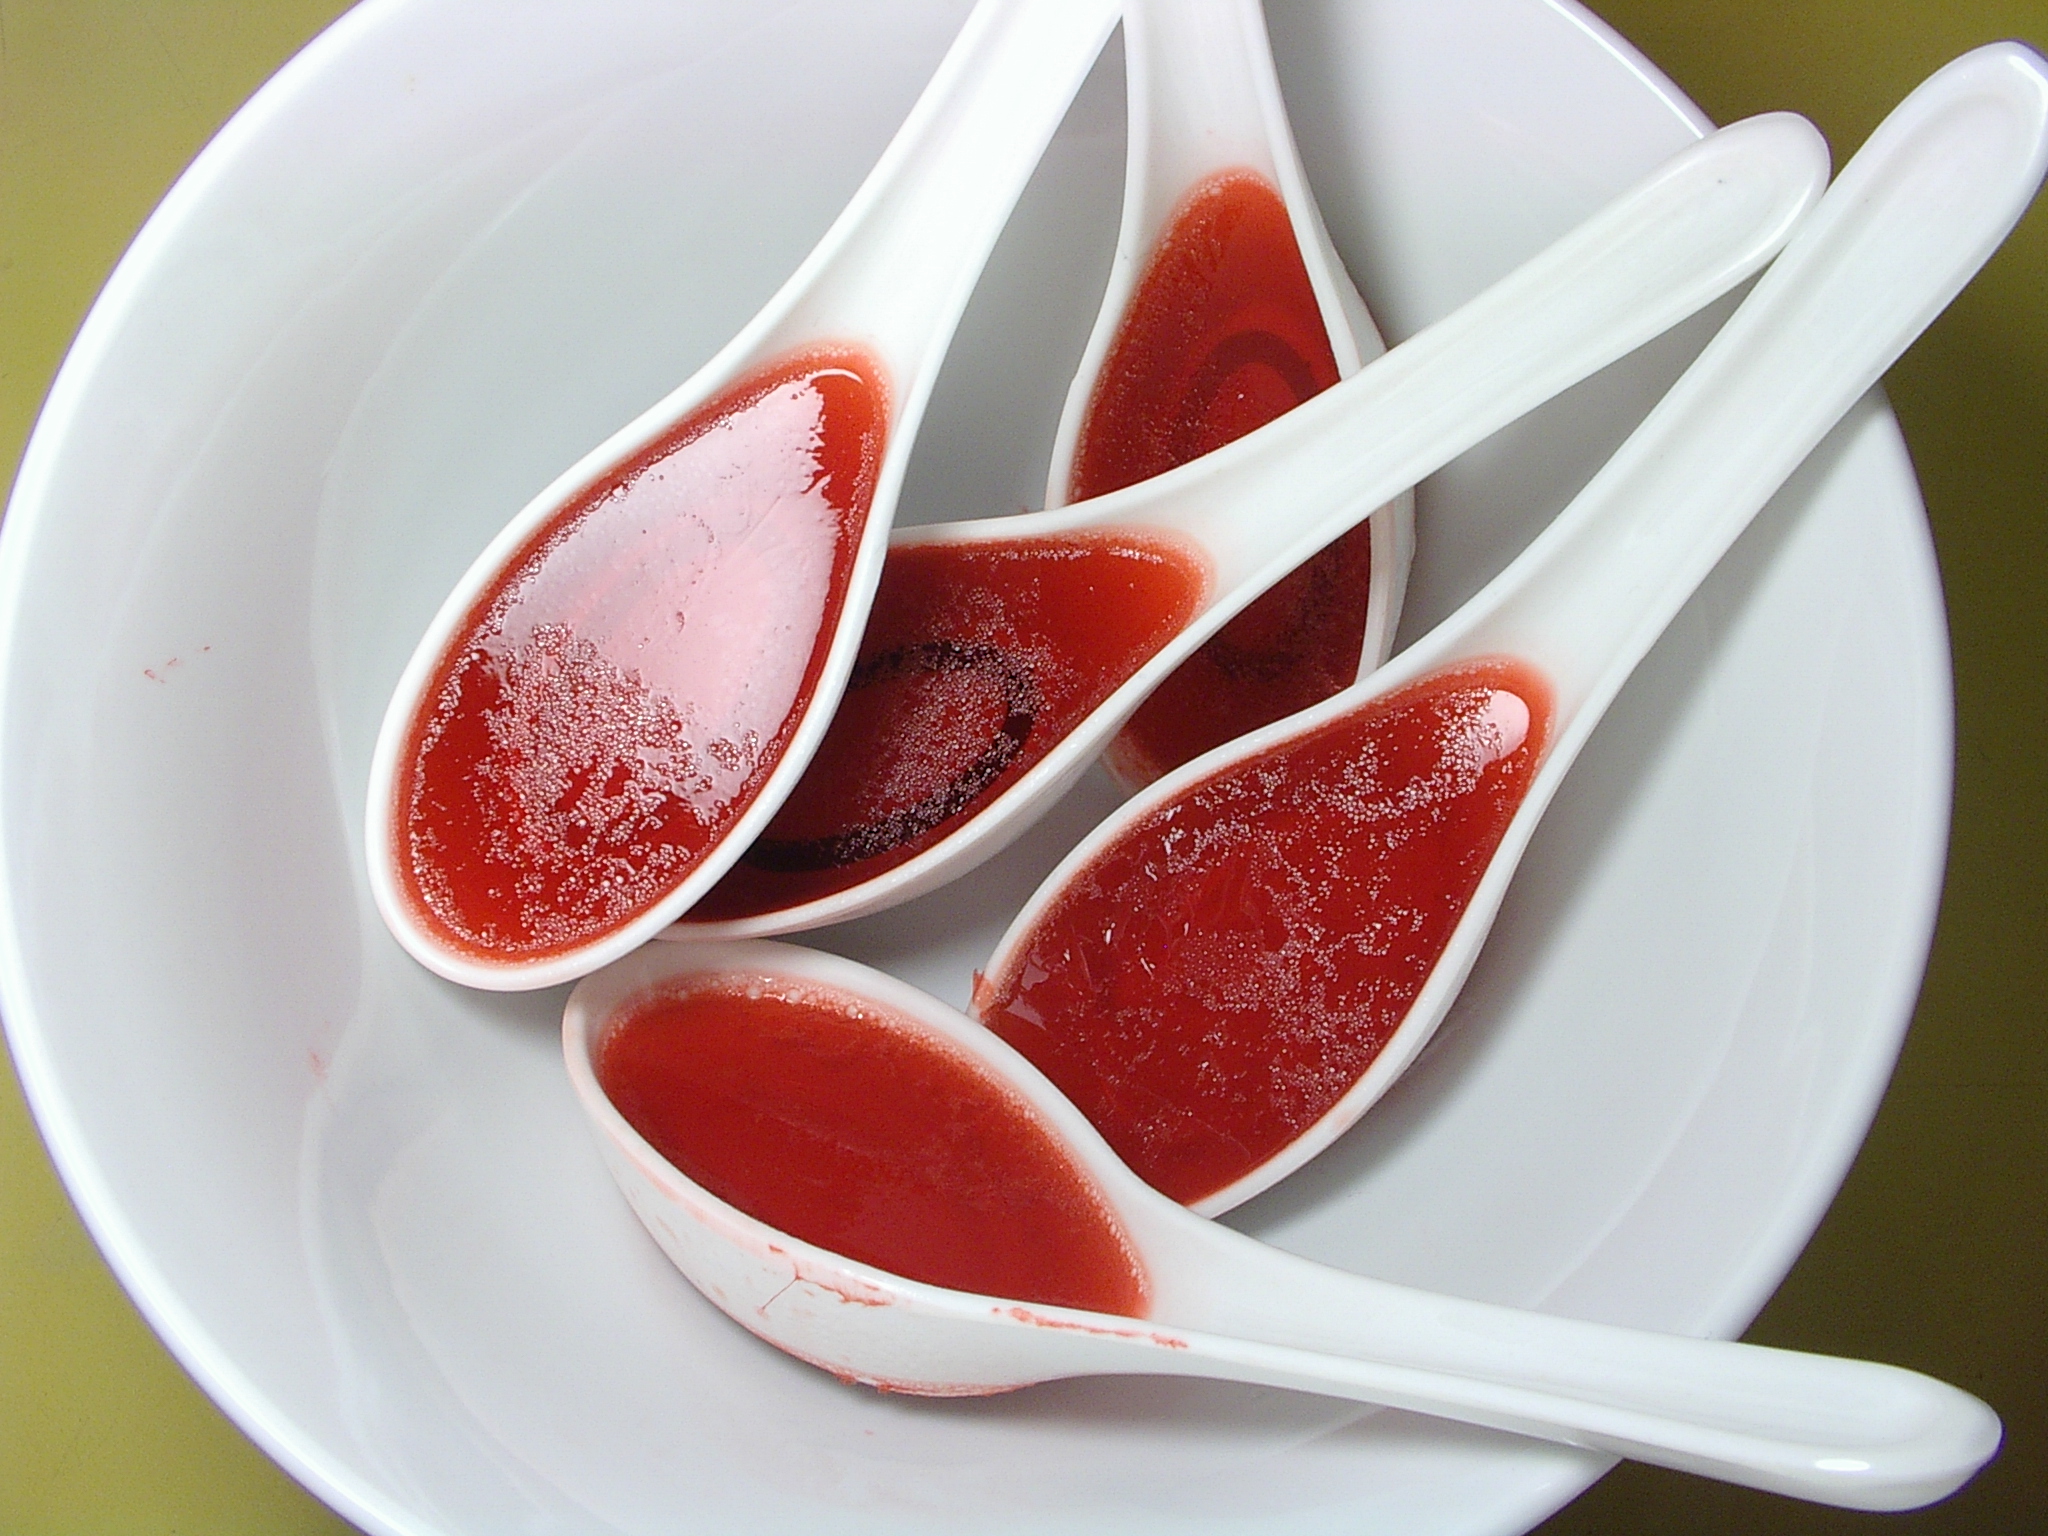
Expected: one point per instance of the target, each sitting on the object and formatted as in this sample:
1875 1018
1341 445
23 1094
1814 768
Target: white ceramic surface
446 251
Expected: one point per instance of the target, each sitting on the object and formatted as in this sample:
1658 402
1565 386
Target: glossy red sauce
1223 334
1214 981
841 1123
1298 644
978 658
615 700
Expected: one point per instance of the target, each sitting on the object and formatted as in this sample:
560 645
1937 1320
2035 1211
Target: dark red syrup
839 1122
1223 334
978 658
617 697
1215 980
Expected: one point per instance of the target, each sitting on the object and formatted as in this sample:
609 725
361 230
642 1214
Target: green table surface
1932 1257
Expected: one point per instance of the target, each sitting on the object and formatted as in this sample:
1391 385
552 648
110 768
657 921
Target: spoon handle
1846 1432
905 253
1709 217
1912 217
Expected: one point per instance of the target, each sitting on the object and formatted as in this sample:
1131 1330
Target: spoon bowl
1551 641
1219 1304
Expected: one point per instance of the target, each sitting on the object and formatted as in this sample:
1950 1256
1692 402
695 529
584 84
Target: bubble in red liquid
841 1123
1219 976
615 700
1223 334
978 659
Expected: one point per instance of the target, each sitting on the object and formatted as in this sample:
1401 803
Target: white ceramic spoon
1912 217
1204 103
1221 1304
1258 507
891 278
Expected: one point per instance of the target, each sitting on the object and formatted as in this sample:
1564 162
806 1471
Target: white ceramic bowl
453 245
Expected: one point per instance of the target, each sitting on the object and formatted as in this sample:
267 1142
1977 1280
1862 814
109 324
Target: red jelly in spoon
833 1120
977 659
617 697
1222 335
1217 978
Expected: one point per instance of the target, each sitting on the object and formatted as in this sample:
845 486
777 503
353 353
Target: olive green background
1932 1257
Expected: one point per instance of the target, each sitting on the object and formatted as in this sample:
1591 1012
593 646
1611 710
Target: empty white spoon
820 1093
1002 655
629 679
1226 305
1238 962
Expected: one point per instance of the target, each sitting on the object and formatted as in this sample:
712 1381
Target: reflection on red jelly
1215 980
841 1123
978 658
1222 335
615 700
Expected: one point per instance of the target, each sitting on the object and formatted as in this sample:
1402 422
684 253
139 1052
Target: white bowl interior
448 249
